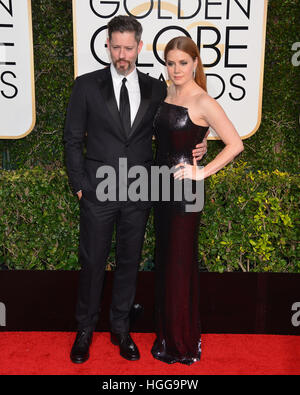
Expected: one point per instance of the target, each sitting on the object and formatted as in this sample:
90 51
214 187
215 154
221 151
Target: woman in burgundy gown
181 122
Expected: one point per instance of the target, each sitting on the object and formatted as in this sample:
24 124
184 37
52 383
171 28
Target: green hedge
250 222
42 232
39 223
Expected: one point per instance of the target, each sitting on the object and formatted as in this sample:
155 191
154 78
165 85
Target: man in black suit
111 114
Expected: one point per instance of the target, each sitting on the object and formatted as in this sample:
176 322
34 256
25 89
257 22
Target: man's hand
79 194
200 149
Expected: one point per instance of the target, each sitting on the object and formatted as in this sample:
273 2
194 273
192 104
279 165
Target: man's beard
124 69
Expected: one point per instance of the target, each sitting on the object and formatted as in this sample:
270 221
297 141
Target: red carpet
38 353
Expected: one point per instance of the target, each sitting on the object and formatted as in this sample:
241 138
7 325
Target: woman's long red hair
187 45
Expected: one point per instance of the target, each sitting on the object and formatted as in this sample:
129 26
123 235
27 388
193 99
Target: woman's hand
192 172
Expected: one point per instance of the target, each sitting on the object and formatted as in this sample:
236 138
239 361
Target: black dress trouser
97 224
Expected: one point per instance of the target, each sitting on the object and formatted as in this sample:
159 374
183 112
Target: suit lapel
107 92
145 88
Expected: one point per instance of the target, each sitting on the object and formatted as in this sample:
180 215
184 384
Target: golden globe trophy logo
230 35
17 97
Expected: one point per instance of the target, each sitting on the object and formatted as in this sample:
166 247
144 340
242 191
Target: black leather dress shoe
128 348
81 346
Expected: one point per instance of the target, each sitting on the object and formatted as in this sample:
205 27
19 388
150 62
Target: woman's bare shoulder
204 99
207 103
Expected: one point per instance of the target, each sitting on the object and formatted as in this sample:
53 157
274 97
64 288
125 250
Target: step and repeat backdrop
17 93
230 35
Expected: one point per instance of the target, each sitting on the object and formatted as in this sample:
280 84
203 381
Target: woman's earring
194 73
168 80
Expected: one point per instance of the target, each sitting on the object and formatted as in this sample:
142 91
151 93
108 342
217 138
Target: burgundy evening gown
176 262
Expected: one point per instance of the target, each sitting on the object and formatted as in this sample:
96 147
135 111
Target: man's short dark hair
125 23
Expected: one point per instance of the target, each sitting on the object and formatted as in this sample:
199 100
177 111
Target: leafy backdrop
251 217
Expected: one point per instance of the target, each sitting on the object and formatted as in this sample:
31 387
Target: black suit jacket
93 125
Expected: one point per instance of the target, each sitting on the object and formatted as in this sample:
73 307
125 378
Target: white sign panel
229 33
17 99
